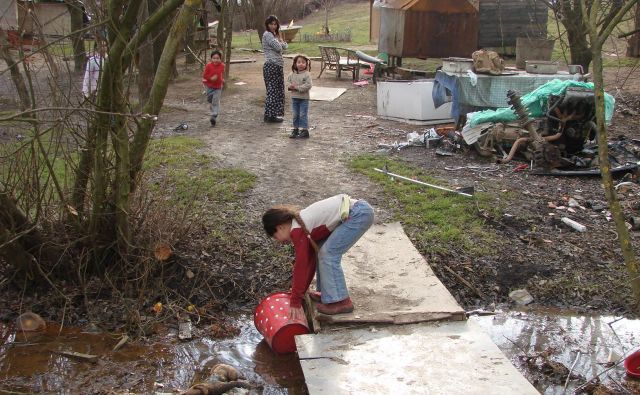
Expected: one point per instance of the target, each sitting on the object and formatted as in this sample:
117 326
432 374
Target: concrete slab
454 357
324 93
390 282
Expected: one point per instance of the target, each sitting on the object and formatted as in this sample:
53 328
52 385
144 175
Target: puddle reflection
31 362
595 338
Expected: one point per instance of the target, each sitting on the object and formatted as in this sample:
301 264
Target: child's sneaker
304 134
295 133
213 122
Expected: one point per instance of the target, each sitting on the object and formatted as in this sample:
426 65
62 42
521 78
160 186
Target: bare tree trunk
572 20
326 18
221 22
76 13
160 86
21 244
598 34
228 36
145 61
87 165
16 76
254 11
633 45
190 41
111 98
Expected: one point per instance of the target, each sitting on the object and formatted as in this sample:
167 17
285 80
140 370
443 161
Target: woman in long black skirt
273 70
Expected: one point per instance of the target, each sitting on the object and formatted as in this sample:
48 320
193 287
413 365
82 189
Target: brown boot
343 306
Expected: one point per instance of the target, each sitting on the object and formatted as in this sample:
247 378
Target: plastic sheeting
536 103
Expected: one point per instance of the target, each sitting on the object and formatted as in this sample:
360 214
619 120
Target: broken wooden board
390 282
454 357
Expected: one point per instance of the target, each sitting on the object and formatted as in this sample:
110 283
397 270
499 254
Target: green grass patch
22 162
437 221
178 171
342 17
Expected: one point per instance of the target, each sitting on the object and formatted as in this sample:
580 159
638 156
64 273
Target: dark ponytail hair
295 60
279 215
272 18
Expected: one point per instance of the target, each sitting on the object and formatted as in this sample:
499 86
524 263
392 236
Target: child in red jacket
320 234
212 78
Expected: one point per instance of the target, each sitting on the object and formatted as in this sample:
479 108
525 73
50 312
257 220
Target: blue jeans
215 101
330 277
300 107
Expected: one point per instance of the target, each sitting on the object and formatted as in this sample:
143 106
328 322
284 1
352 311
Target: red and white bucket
271 318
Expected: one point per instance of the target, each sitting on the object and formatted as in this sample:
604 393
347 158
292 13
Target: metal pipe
513 150
422 183
553 137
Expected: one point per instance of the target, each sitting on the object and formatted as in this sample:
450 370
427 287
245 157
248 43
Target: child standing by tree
212 78
92 71
299 83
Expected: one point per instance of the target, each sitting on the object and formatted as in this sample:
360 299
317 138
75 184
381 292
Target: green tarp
536 103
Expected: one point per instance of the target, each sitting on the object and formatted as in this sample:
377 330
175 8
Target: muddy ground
534 250
558 266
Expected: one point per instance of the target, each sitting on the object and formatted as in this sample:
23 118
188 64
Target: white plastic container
457 65
410 101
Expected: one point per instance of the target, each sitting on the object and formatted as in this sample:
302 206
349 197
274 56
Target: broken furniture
469 92
333 60
380 64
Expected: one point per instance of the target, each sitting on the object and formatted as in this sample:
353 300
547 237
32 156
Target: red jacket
321 218
210 70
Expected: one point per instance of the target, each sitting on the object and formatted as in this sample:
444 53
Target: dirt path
293 171
533 249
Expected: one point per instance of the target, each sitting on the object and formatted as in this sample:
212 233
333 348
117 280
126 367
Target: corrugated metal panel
436 35
502 21
391 31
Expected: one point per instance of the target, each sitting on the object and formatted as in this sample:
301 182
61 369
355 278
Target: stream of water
35 362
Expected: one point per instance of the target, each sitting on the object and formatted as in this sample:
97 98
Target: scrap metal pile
562 139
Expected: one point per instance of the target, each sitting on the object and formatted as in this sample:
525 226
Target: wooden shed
21 15
427 28
503 21
441 28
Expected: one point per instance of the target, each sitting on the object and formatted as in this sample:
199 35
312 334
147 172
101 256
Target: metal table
489 91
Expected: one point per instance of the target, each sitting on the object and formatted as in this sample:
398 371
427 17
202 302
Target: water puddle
589 342
36 362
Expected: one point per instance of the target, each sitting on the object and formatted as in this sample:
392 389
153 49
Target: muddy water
34 363
589 342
